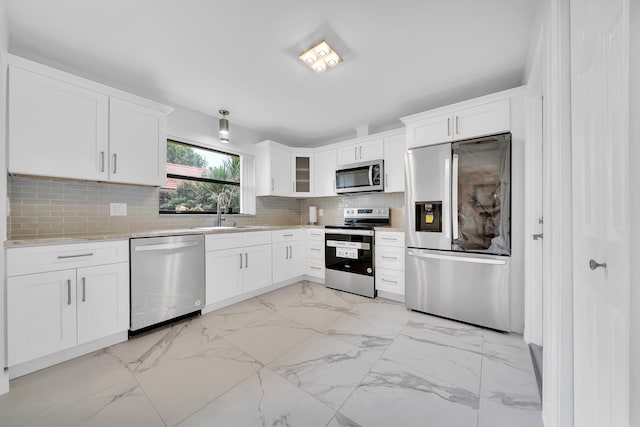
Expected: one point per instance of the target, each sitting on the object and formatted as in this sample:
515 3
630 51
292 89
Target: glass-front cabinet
302 174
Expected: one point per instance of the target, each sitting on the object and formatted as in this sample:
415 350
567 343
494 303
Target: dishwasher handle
165 246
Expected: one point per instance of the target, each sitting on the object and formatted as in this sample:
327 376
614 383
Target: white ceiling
400 57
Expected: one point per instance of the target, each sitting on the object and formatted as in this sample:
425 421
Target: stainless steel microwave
360 177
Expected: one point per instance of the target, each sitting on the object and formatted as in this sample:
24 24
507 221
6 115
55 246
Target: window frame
201 179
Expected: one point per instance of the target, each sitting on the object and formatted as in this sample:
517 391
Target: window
196 177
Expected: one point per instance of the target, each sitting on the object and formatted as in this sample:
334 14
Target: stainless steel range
349 250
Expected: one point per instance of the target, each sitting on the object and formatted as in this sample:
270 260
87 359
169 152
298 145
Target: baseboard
391 296
4 382
64 355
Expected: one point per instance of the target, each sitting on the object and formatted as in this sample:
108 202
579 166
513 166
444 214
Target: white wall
634 178
4 42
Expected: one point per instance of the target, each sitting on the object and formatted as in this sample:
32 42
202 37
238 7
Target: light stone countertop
86 238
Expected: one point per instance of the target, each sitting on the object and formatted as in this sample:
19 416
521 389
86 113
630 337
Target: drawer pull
287 235
393 239
389 257
315 249
390 281
74 256
315 268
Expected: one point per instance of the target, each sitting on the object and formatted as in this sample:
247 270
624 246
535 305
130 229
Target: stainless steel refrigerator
458 238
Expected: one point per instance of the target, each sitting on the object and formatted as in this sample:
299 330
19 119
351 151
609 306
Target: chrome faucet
223 202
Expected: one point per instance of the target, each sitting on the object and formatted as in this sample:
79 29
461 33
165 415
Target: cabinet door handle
287 255
389 257
458 125
315 249
74 256
393 239
361 152
315 268
68 291
293 187
240 261
273 185
102 161
390 281
287 235
386 180
84 289
291 252
115 162
448 126
246 260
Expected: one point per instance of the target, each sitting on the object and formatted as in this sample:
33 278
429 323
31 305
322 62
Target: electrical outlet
118 209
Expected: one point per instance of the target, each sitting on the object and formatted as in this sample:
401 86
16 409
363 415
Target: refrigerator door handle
459 258
454 197
446 214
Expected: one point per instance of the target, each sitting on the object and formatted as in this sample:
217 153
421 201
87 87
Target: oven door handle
348 233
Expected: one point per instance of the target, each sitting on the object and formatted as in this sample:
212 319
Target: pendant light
223 133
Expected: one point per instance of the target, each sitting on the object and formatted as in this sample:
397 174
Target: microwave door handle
370 174
454 197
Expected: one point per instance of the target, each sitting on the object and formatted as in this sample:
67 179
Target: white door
325 172
348 154
303 174
41 314
280 261
281 182
223 276
65 125
257 267
599 101
297 258
431 130
394 149
103 301
485 119
371 150
137 144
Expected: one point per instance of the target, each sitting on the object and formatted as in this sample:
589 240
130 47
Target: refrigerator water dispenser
429 216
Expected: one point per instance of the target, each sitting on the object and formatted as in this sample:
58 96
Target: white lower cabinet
315 252
389 261
102 297
233 269
289 255
80 295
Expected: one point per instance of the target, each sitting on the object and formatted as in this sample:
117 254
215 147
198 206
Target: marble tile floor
303 355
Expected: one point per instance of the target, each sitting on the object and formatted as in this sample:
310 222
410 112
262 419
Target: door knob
593 265
536 236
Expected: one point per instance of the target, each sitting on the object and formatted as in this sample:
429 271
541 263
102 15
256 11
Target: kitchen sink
220 227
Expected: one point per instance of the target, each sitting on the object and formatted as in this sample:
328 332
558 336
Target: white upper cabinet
394 149
63 126
484 119
461 121
325 172
137 144
361 151
273 169
56 129
303 173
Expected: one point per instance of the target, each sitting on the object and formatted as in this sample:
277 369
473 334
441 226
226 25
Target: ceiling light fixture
223 133
321 57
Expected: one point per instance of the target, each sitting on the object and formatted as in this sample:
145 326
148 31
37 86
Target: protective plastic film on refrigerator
459 230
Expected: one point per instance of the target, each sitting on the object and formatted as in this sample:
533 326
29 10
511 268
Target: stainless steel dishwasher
167 278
